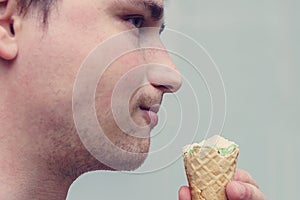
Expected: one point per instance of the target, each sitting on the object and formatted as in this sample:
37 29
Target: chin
126 154
125 162
131 165
134 155
133 141
129 160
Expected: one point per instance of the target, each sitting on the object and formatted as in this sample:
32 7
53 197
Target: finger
184 193
236 190
243 176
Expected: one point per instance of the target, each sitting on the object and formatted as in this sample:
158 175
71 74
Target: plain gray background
256 46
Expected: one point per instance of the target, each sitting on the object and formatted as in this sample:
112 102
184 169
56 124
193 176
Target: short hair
43 7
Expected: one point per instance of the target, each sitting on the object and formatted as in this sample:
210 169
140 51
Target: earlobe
8 45
8 42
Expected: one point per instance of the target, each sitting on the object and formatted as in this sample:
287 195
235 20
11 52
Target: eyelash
132 19
162 28
141 23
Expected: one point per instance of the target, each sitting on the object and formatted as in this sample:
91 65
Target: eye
136 20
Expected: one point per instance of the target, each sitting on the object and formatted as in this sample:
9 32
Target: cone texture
208 172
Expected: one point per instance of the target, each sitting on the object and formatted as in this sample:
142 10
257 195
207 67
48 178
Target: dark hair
43 7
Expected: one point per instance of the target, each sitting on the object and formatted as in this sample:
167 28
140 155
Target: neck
38 162
25 175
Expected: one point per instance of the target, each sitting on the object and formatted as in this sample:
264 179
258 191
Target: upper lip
150 103
149 100
154 108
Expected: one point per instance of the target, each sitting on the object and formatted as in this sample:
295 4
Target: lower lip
152 117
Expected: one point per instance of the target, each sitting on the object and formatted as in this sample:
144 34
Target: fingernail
242 190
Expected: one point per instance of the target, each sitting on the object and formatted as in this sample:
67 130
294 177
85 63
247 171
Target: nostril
164 88
164 78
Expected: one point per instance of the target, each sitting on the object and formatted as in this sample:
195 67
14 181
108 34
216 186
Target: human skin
243 187
41 152
38 70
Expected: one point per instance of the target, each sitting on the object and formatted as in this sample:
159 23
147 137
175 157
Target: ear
8 24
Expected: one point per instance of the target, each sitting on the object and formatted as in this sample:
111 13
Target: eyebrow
156 10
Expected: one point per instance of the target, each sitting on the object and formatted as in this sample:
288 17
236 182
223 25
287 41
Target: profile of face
128 92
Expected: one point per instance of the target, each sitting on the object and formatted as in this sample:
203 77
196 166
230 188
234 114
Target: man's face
48 64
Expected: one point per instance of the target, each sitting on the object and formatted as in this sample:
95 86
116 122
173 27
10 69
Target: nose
165 78
163 74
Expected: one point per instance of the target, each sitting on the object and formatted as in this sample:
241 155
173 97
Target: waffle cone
208 172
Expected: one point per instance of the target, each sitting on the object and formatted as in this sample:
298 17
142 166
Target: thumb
184 193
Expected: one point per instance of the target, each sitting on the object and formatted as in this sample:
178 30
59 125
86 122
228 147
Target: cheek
110 100
120 74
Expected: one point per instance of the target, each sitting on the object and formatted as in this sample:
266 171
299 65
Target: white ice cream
215 141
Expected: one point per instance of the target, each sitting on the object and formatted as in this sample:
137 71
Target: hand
243 187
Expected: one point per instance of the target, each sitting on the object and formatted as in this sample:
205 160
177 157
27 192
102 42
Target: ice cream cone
208 171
